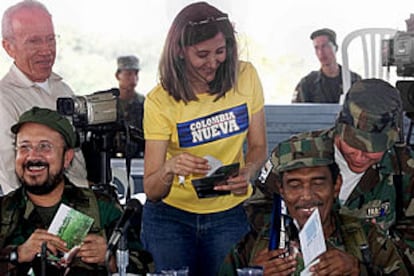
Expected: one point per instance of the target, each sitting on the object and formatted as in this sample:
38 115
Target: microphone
132 212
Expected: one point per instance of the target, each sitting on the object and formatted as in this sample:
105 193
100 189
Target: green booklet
70 225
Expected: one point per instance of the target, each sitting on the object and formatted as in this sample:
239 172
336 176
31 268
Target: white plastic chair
370 41
121 182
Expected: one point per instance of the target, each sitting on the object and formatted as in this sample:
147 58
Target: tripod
97 149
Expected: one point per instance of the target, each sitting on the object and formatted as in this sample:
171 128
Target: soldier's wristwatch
14 257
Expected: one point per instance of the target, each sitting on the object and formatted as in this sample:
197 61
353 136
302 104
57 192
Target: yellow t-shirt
205 127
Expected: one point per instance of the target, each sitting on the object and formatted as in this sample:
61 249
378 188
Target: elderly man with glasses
29 39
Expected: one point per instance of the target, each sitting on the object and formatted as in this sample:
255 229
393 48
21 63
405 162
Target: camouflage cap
301 152
371 116
49 118
128 63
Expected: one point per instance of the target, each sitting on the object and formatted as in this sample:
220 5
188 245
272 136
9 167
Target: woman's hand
159 173
238 185
185 164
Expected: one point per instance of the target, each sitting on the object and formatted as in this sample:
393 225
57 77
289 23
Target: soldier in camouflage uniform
325 84
309 179
130 109
44 148
377 170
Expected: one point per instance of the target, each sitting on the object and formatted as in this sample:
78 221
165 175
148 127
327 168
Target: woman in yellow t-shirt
206 105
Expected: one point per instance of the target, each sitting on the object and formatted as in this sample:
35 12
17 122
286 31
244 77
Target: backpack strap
355 240
398 186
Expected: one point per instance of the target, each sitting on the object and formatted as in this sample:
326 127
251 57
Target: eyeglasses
208 20
42 148
36 42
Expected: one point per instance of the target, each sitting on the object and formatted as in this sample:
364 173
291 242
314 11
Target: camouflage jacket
375 197
385 259
132 113
317 88
19 219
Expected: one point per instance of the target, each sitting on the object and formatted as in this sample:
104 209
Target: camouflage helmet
301 151
128 63
370 117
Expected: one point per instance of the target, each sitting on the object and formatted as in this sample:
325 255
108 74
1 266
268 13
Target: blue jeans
177 238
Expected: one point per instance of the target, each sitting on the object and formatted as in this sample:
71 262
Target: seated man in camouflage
309 179
44 149
377 170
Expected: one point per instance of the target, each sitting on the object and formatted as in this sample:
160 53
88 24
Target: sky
278 31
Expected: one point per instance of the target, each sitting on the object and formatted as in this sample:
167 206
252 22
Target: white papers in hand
312 240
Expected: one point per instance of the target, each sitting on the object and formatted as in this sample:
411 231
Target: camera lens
65 106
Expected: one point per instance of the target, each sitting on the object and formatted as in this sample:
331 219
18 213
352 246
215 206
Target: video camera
399 51
91 110
103 131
